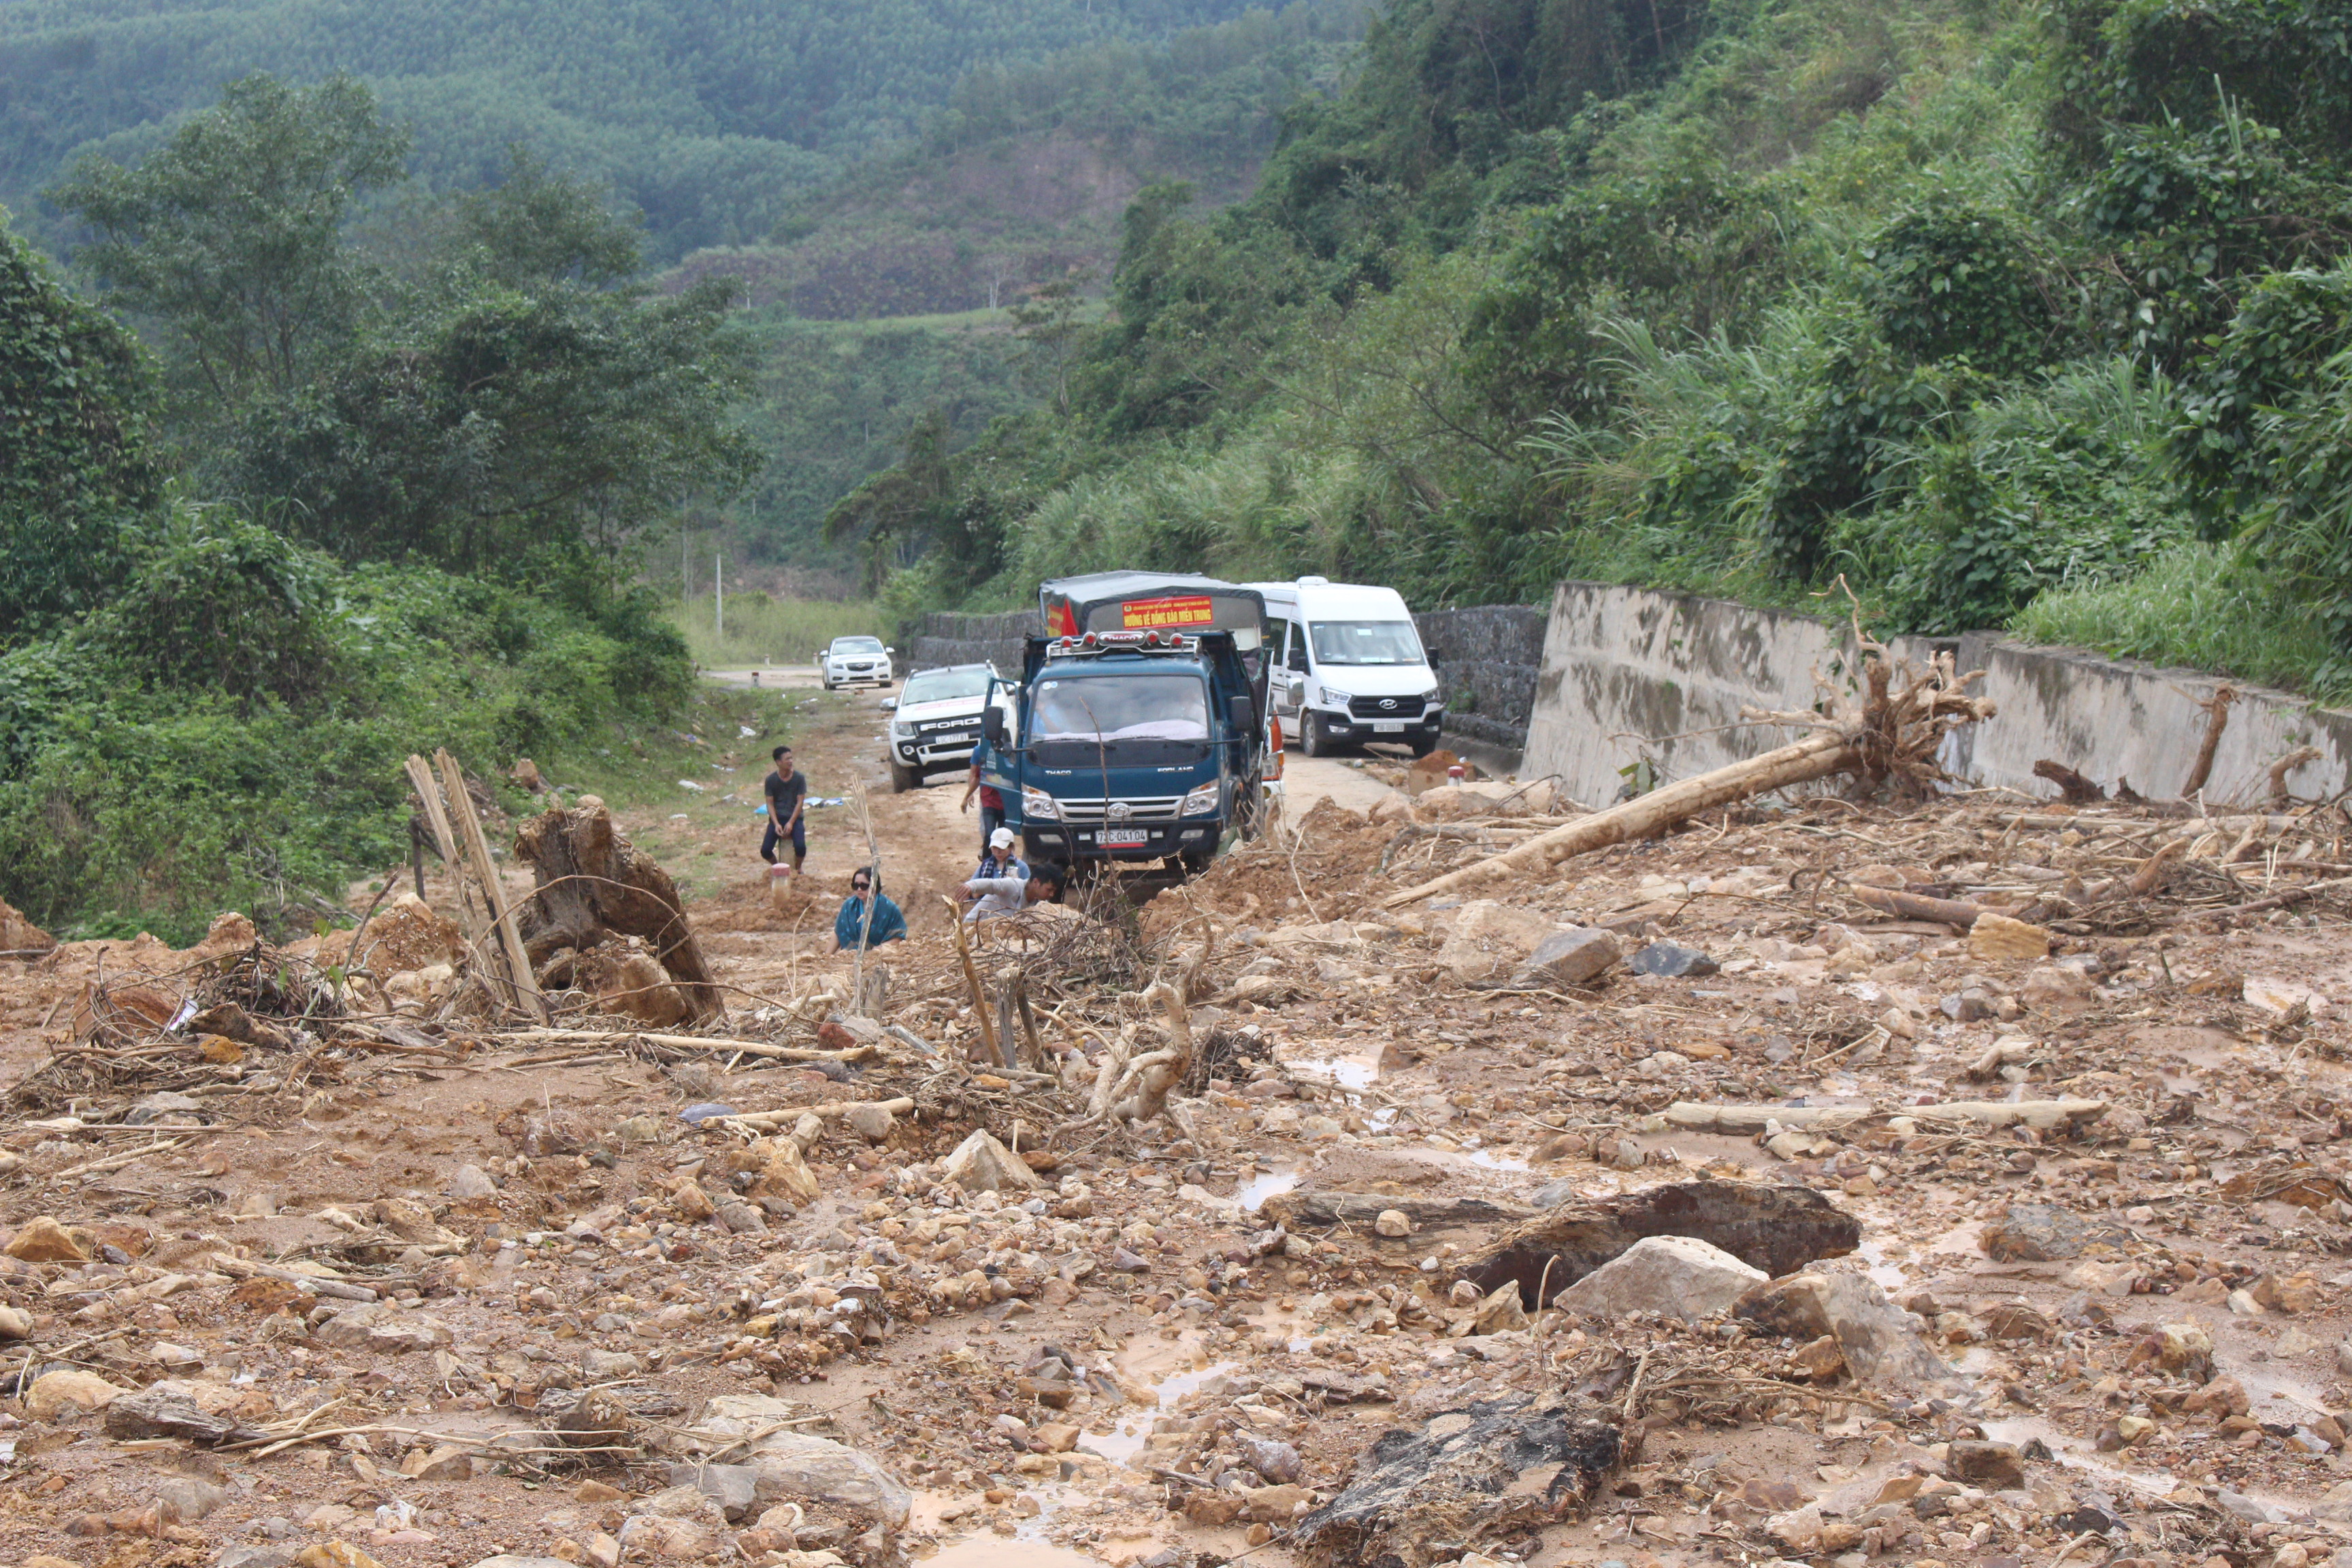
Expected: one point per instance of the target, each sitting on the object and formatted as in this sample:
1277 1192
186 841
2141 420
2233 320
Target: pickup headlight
901 731
1199 801
1037 806
1336 698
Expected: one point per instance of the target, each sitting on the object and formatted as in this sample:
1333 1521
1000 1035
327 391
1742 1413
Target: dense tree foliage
2033 317
712 116
76 476
426 473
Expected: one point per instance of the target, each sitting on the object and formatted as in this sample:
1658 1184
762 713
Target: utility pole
719 595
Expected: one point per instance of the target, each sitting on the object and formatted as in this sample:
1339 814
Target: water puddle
2023 1429
1124 1441
1251 1194
1888 1273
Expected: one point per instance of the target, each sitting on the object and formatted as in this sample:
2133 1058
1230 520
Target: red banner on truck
1191 610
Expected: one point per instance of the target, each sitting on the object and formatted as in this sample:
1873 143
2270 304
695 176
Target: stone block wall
1487 660
946 637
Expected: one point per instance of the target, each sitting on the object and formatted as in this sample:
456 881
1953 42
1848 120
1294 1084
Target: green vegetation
424 488
764 631
2010 316
713 117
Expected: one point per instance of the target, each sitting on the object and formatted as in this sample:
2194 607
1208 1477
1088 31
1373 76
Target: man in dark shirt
787 793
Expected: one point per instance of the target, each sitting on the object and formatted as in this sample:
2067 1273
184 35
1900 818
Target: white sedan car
855 661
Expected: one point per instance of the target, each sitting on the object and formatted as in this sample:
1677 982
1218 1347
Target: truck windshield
1365 642
1124 713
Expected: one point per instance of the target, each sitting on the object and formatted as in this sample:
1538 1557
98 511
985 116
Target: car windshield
941 685
1119 708
1365 642
857 645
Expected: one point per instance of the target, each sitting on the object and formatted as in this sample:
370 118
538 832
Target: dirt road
1438 1251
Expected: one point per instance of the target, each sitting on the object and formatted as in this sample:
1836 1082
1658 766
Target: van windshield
1365 642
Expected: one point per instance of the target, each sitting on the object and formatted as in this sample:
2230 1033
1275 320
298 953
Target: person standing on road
885 924
787 798
991 802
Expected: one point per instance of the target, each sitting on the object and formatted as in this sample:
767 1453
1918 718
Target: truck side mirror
991 725
1245 714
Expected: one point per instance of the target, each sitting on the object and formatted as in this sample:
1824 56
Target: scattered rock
1679 1275
52 1392
783 1173
470 1182
384 1327
154 1413
1576 956
2044 1233
981 1164
1998 936
870 1120
1995 1466
2050 989
1881 1343
1669 961
1489 939
1392 1224
46 1240
1500 1312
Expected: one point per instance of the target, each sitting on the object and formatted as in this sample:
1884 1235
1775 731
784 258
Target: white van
1347 667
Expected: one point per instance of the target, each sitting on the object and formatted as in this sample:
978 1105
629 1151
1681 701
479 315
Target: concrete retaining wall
1631 672
1489 659
943 639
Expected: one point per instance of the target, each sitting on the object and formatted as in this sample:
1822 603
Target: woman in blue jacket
887 923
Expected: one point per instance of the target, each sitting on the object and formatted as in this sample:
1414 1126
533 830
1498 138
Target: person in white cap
997 863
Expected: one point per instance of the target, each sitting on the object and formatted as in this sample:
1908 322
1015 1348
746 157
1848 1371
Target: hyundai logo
1387 702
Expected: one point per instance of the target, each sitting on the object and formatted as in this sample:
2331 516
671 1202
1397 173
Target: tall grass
758 630
2202 606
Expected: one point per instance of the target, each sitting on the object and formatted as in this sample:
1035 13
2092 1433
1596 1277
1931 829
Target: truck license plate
1388 726
1125 837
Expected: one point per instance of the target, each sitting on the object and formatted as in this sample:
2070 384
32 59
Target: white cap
1001 839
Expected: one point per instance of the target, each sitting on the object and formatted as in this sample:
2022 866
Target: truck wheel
903 779
1314 738
1196 861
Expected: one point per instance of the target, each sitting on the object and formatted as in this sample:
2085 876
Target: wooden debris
591 883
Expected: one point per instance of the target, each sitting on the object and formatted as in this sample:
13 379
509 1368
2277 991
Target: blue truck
1137 731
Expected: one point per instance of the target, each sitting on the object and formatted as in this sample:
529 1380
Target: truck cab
1137 731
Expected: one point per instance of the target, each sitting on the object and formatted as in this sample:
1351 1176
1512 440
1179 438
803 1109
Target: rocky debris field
1702 1199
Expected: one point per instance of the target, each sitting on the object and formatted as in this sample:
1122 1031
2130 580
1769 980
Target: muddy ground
604 1331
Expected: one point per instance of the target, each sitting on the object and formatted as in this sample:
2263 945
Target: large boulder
1490 939
789 1464
981 1164
1679 1275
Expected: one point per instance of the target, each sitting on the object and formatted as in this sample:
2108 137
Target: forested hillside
2034 316
333 509
712 116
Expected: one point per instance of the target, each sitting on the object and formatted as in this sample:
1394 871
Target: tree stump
593 883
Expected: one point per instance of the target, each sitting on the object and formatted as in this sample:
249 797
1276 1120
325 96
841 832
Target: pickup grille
1142 808
1398 707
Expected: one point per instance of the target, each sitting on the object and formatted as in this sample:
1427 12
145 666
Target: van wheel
1314 738
903 779
1422 746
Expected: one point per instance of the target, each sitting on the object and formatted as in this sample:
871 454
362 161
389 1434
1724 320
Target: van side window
1298 647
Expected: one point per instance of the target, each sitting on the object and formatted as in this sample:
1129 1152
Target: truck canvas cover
1152 601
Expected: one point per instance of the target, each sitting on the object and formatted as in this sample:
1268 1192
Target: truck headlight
1037 806
1336 698
1199 801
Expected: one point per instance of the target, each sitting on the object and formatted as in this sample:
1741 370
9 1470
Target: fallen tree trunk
593 882
1644 816
1777 1229
1291 1210
1888 735
1917 906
